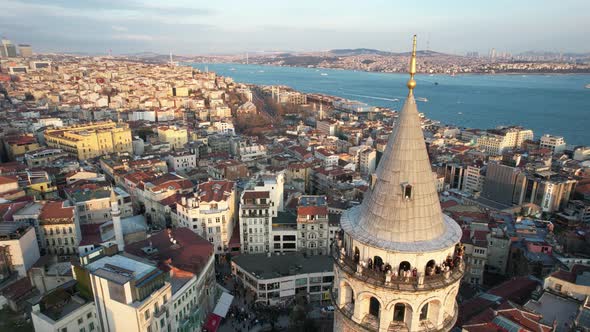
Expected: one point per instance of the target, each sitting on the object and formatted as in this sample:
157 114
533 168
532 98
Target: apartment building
56 226
176 136
131 294
92 202
554 143
19 247
312 225
210 212
91 140
496 141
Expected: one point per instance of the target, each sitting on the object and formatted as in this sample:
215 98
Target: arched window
404 266
378 263
430 267
424 312
374 307
399 312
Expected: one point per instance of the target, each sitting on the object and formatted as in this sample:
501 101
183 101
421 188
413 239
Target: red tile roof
312 210
190 253
90 234
56 210
256 194
7 180
215 191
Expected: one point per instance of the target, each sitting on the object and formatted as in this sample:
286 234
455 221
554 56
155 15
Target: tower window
407 190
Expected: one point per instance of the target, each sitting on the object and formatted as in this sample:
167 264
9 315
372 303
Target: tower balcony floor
401 283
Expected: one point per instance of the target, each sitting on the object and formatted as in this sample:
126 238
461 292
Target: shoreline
509 73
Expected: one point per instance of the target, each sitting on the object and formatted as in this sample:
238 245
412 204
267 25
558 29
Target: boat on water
435 83
421 99
261 71
324 74
232 69
460 113
587 86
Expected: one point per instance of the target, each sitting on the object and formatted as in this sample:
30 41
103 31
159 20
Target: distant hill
370 51
358 51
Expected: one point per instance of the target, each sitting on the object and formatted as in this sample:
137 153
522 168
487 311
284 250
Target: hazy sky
218 26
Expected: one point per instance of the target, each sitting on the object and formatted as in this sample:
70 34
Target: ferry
587 86
324 74
421 99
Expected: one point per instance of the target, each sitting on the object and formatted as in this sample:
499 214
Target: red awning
212 323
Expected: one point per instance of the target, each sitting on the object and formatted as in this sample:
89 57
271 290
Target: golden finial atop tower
412 81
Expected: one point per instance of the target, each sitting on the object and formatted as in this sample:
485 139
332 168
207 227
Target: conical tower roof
401 210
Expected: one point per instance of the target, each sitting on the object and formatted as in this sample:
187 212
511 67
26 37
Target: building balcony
391 280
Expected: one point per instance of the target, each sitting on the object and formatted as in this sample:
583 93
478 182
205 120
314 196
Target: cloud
135 37
119 28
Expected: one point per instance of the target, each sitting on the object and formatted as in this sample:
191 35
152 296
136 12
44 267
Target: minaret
116 215
398 260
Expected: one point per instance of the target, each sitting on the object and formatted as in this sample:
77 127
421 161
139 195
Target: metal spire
412 81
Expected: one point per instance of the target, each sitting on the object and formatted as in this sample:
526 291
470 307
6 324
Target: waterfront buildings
495 142
388 271
554 143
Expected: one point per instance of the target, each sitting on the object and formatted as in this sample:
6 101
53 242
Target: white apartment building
20 241
131 295
181 161
94 205
258 206
253 152
554 143
223 127
473 178
210 212
256 212
327 127
367 161
494 142
71 314
328 158
192 274
582 153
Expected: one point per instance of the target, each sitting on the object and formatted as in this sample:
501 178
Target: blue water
548 104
